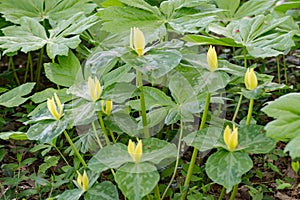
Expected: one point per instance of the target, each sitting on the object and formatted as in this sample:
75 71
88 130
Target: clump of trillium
135 151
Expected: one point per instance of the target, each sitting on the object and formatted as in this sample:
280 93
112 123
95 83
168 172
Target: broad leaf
74 194
14 97
137 180
226 168
104 191
123 123
13 135
293 148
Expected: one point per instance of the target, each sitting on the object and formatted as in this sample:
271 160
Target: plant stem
30 66
76 152
103 128
195 151
156 192
285 70
63 157
139 84
97 137
112 136
233 193
250 111
177 160
11 63
278 70
39 66
222 193
237 108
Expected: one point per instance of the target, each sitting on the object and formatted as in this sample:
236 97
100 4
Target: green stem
237 108
156 192
76 152
278 70
96 134
285 70
177 160
103 128
233 193
30 66
11 62
63 157
222 193
195 152
39 66
245 57
139 83
112 136
250 111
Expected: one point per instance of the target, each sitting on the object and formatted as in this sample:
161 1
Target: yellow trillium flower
250 79
94 88
137 40
212 59
83 181
135 151
231 138
52 107
106 106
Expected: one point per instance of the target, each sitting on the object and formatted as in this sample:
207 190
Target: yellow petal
58 103
138 151
106 106
52 108
79 179
85 181
130 39
226 135
131 148
231 138
250 79
138 41
212 59
94 88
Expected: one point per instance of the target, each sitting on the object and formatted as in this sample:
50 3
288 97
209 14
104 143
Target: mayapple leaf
67 72
156 63
104 191
137 180
226 168
14 97
251 8
53 10
74 194
45 131
293 148
286 125
253 139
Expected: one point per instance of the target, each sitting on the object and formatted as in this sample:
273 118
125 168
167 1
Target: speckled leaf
104 191
47 130
74 194
134 183
253 139
226 168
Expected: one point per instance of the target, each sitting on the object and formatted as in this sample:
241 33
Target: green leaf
134 182
45 131
13 135
104 191
226 168
255 7
74 194
118 92
155 117
293 147
50 161
230 6
210 40
121 74
120 19
42 96
142 5
14 97
53 10
286 125
124 122
252 139
67 72
156 63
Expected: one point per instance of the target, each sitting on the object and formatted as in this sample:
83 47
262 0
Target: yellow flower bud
135 151
137 40
94 88
106 106
83 181
250 79
231 138
212 59
52 107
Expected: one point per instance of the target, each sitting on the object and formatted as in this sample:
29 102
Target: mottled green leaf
15 135
104 191
74 194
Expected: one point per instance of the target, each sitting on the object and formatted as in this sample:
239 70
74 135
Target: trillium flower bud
137 40
94 88
135 151
231 138
83 181
250 79
106 106
212 59
55 109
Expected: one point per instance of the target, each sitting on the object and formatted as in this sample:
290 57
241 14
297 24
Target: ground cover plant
136 99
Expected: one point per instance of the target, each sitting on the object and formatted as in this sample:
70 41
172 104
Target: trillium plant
145 100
